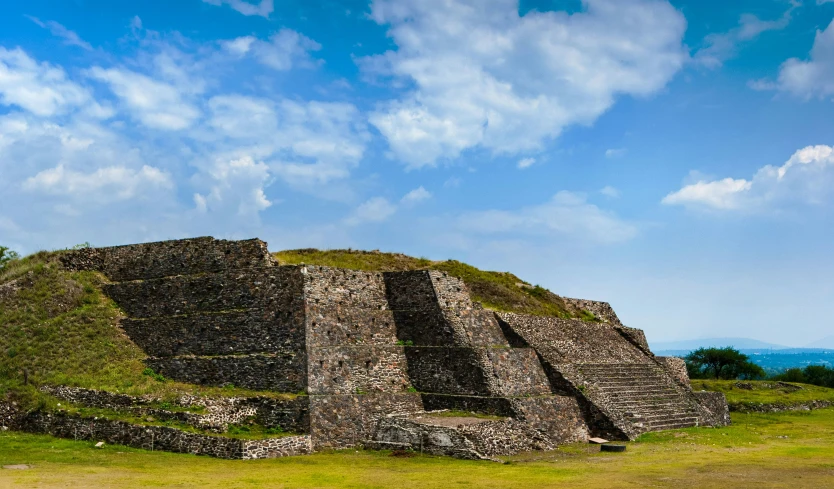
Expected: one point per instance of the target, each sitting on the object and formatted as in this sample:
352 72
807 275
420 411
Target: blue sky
675 159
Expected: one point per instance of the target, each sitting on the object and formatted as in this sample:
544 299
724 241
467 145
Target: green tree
7 255
792 375
722 363
819 375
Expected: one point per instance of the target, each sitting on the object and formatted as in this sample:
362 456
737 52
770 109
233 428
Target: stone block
169 258
238 332
276 289
357 370
282 372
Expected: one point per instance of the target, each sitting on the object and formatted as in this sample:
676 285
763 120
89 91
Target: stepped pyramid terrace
334 358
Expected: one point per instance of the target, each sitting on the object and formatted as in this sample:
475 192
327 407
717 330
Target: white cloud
719 194
376 209
419 194
154 103
485 77
525 163
610 191
809 78
718 48
70 37
567 214
615 152
241 117
285 50
237 186
262 8
40 88
807 177
103 185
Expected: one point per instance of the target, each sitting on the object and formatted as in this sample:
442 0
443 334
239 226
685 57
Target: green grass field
793 450
742 395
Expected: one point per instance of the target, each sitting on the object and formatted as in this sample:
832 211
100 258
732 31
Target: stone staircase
643 394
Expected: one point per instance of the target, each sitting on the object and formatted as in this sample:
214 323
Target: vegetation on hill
812 374
501 291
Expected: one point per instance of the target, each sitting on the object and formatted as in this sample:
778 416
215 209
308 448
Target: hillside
501 291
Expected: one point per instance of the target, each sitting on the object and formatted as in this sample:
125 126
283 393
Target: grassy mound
501 291
746 395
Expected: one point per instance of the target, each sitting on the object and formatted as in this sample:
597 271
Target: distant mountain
738 343
827 342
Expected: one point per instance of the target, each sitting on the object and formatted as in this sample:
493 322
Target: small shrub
150 373
405 343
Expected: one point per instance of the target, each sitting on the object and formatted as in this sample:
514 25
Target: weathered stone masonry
373 352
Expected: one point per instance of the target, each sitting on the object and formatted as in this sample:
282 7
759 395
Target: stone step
637 394
633 386
631 406
673 426
623 367
659 418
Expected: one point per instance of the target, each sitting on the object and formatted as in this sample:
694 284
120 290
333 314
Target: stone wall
340 421
289 414
169 258
282 372
160 438
716 404
357 371
676 368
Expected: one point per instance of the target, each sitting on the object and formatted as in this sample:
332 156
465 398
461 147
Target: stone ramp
641 393
625 391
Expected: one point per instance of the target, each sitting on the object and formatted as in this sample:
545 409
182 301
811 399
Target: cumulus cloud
807 177
809 78
417 195
237 186
566 214
154 103
610 191
483 76
284 50
379 209
615 152
376 209
70 37
525 163
262 8
103 185
719 47
39 88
